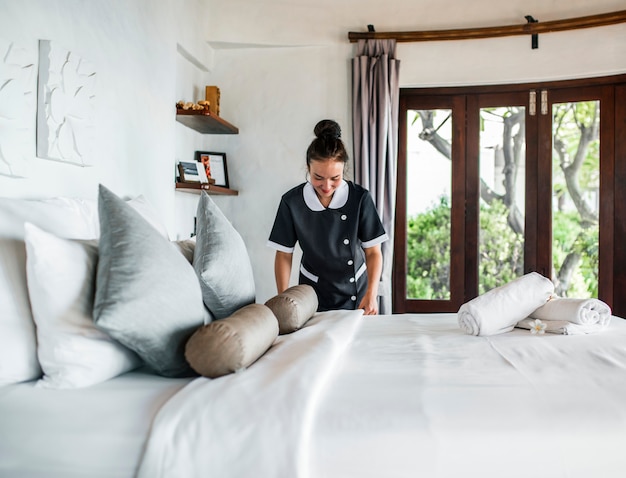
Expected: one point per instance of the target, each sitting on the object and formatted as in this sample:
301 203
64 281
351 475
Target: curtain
375 97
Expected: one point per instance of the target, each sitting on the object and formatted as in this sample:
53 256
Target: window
495 182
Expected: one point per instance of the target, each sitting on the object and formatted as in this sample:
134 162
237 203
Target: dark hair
327 145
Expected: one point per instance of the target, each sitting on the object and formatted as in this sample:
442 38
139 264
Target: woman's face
326 176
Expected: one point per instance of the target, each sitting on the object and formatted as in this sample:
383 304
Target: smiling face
326 177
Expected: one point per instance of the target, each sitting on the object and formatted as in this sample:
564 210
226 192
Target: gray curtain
375 96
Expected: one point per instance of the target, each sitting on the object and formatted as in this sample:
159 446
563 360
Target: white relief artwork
17 106
65 105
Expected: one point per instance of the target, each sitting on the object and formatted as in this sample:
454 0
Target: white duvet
404 396
254 423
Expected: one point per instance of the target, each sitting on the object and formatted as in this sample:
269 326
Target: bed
344 395
99 431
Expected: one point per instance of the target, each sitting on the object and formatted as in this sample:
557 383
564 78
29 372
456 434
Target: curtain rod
533 27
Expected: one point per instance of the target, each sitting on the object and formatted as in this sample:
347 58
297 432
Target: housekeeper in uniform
338 228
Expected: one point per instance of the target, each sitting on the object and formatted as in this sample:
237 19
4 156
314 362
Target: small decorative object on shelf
193 172
215 166
202 105
212 95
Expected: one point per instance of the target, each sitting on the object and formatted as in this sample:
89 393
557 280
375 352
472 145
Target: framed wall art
215 166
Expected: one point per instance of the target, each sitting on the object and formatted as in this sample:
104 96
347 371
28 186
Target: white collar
339 199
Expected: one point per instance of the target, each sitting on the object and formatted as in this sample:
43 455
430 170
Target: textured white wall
132 45
281 66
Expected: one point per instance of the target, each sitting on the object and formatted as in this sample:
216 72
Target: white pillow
18 345
75 218
64 217
61 277
143 207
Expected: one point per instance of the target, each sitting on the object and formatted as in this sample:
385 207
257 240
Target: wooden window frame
611 91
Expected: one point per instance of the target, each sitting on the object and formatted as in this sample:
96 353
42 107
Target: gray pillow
221 262
147 294
234 343
293 307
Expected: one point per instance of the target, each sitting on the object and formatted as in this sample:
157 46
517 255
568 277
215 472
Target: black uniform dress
332 240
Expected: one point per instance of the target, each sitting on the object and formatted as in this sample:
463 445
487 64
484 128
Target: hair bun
327 129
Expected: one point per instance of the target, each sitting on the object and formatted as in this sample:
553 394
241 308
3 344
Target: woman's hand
374 263
369 305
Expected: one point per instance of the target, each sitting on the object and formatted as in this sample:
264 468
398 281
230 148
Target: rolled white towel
577 311
563 327
498 310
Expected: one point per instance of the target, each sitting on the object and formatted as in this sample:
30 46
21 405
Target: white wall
285 65
139 77
281 66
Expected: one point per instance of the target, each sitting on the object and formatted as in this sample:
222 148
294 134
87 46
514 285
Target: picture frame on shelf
191 172
215 166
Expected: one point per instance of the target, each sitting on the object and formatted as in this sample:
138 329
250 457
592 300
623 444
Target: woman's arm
282 270
374 263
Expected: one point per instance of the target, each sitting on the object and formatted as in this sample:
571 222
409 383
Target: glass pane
429 179
502 191
575 197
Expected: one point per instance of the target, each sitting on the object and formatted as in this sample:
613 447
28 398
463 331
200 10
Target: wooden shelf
197 188
204 122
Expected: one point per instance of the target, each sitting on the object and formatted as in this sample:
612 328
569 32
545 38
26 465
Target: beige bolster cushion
233 343
293 307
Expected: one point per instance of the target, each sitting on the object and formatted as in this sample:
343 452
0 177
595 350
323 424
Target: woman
338 228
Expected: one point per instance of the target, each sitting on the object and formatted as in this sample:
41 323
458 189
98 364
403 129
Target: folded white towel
563 327
498 310
577 311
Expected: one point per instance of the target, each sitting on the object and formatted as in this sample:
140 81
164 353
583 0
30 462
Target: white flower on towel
537 327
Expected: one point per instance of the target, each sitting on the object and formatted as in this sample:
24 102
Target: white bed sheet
94 432
404 396
415 396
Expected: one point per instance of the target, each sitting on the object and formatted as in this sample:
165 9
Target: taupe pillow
186 248
294 307
234 343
